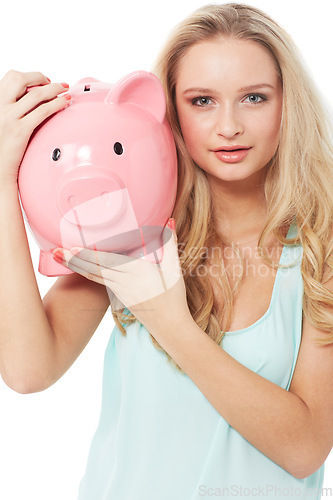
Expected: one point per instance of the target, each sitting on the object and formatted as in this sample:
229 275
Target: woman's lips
233 156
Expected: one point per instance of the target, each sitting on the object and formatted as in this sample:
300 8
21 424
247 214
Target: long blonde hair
298 184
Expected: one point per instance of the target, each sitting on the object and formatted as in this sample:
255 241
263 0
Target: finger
105 259
170 265
93 274
43 111
93 267
170 250
14 83
39 96
168 235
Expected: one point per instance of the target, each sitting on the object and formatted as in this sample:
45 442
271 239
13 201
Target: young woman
219 381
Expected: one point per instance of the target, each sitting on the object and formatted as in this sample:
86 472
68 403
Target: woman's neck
239 215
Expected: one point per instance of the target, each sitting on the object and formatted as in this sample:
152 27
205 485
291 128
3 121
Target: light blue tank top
159 438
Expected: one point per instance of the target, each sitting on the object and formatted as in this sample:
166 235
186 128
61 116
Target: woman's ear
141 89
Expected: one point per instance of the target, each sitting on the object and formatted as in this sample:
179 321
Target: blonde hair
298 186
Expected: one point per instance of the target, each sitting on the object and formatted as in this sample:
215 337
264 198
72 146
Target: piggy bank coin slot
86 88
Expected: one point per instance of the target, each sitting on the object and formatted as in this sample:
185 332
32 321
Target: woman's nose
228 122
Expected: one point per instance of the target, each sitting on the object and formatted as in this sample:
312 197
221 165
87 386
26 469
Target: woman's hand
21 111
152 292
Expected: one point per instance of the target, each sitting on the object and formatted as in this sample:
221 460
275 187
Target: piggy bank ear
142 89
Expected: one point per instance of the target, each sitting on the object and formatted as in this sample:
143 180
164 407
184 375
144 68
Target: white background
45 437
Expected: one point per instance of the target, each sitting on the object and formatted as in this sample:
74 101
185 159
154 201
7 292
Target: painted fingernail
67 96
65 85
171 224
58 254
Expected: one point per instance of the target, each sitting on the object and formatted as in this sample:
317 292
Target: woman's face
229 95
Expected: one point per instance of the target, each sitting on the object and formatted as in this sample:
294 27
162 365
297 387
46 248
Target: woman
218 386
233 81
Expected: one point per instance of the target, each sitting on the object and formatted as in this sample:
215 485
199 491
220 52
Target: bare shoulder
313 383
74 307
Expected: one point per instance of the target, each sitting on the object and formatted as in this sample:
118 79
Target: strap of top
292 254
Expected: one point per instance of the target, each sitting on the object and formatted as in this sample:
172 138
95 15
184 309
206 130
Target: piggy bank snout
91 199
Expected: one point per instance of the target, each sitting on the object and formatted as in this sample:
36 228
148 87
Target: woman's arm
39 339
293 428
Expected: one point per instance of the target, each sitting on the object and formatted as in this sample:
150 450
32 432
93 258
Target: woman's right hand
21 111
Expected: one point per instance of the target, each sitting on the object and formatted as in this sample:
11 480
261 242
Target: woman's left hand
152 292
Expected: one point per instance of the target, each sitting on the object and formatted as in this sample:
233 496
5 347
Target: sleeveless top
159 438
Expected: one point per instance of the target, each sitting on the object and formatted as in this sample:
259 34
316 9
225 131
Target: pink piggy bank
101 173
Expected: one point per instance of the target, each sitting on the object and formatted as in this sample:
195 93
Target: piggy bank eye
56 154
118 148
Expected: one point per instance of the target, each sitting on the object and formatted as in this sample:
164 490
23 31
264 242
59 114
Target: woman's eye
201 101
256 98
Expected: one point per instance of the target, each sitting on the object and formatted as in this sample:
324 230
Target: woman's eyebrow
200 90
243 89
256 86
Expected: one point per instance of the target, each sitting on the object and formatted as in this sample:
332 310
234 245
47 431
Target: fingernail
48 79
58 254
172 224
65 85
